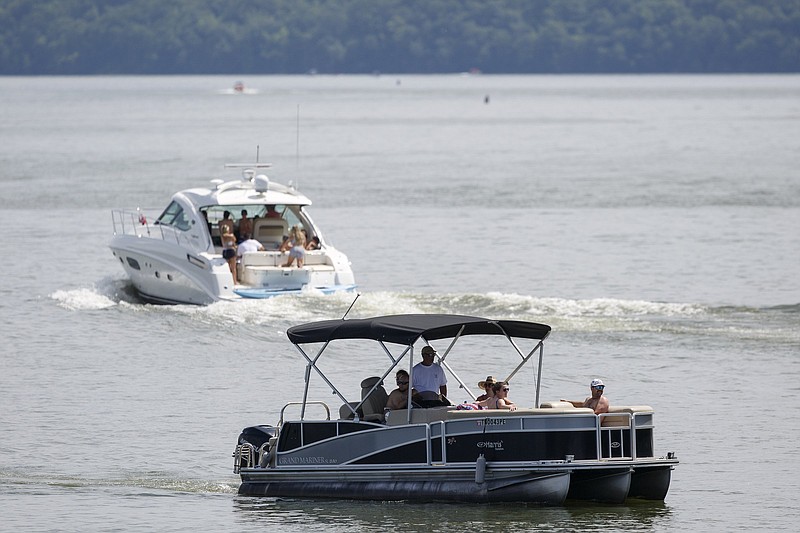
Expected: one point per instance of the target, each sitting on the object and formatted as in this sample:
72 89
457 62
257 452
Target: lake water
653 221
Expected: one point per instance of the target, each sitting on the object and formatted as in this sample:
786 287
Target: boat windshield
290 213
174 215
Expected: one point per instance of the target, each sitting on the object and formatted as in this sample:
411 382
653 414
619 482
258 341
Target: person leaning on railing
596 402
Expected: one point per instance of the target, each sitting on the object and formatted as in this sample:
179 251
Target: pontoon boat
544 453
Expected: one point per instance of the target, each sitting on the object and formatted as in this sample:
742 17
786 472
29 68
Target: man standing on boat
597 402
428 379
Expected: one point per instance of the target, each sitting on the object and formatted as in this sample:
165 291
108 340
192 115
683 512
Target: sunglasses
506 389
402 382
599 387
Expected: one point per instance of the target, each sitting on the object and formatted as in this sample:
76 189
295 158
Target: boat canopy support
407 330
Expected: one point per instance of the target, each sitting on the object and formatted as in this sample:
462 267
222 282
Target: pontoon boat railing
303 404
615 433
626 449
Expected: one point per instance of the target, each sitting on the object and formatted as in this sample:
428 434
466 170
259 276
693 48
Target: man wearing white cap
597 402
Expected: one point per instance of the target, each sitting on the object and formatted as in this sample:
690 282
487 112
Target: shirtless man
398 398
596 402
245 225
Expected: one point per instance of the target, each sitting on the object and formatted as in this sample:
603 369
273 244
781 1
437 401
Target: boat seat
630 409
375 403
436 414
398 417
623 421
345 413
496 413
557 404
316 258
261 259
270 231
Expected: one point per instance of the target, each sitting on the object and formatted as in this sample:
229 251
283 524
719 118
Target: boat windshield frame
406 330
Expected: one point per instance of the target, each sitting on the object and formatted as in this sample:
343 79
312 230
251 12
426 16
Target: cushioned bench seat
278 258
436 414
621 410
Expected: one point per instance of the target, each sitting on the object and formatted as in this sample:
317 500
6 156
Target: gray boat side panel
352 446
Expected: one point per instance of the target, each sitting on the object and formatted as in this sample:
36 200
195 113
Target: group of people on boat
236 238
429 388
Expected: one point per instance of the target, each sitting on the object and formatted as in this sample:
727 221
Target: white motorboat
176 256
545 453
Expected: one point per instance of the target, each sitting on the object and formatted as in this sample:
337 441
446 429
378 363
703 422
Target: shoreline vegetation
86 37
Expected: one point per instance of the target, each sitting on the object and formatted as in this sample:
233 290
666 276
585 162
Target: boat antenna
351 306
297 153
258 149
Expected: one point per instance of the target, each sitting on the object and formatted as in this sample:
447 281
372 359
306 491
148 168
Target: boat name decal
308 460
495 445
492 422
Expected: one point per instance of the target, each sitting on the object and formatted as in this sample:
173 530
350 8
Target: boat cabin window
290 213
174 215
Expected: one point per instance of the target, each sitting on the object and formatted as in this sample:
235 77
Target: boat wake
153 481
597 315
106 293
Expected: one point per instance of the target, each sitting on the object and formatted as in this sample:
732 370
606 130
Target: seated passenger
596 402
249 245
500 400
313 244
271 213
430 383
486 386
398 398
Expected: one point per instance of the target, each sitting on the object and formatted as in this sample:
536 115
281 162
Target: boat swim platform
267 292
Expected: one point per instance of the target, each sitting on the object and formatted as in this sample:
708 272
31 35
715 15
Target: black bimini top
406 329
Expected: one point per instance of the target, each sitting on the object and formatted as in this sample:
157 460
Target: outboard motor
257 435
253 441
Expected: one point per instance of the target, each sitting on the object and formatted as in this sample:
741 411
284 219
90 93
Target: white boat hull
165 273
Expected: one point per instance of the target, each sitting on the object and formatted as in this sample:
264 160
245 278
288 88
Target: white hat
597 382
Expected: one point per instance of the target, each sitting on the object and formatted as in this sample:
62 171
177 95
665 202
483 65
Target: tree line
65 37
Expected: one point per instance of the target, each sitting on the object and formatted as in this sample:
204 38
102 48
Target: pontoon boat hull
448 484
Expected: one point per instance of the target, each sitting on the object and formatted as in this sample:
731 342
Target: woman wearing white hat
597 402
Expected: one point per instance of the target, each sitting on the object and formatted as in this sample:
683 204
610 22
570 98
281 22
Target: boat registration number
492 422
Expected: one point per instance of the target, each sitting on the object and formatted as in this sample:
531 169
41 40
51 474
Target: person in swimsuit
500 400
596 402
229 249
296 244
226 221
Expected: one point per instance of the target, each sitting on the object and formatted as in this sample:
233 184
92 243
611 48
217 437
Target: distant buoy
486 99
